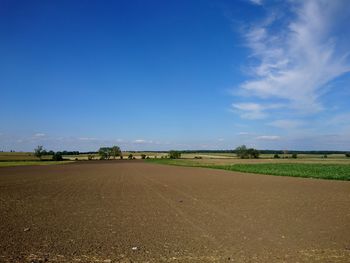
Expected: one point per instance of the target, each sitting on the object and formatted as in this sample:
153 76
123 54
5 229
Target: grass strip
306 170
22 163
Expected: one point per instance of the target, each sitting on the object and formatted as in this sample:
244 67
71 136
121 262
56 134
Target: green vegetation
115 151
276 156
244 153
57 157
324 171
174 154
39 151
21 163
314 170
107 152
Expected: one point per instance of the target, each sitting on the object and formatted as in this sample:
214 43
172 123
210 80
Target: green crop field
308 170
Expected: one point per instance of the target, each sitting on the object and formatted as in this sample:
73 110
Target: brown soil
100 211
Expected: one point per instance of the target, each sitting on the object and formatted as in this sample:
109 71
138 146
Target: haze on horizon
160 75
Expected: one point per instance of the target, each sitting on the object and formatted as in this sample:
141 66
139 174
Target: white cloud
243 133
141 141
256 2
254 110
286 124
39 134
340 119
268 137
87 139
296 62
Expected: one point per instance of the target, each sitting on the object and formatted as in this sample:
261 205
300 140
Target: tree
38 151
294 155
276 156
130 156
253 153
143 156
347 155
242 152
105 153
174 154
115 151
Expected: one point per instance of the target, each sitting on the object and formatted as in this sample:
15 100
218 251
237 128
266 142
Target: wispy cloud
87 139
340 119
256 2
39 135
141 141
268 137
296 61
254 110
243 133
287 124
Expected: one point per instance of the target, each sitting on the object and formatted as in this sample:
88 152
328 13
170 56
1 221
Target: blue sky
159 75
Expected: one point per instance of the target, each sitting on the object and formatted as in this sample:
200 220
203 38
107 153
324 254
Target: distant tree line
242 151
39 152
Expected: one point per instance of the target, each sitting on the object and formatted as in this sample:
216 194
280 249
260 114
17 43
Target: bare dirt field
131 211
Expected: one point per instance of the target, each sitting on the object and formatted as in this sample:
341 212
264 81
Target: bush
198 157
130 156
143 156
253 153
57 157
244 153
325 156
294 155
276 156
90 157
174 155
347 155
